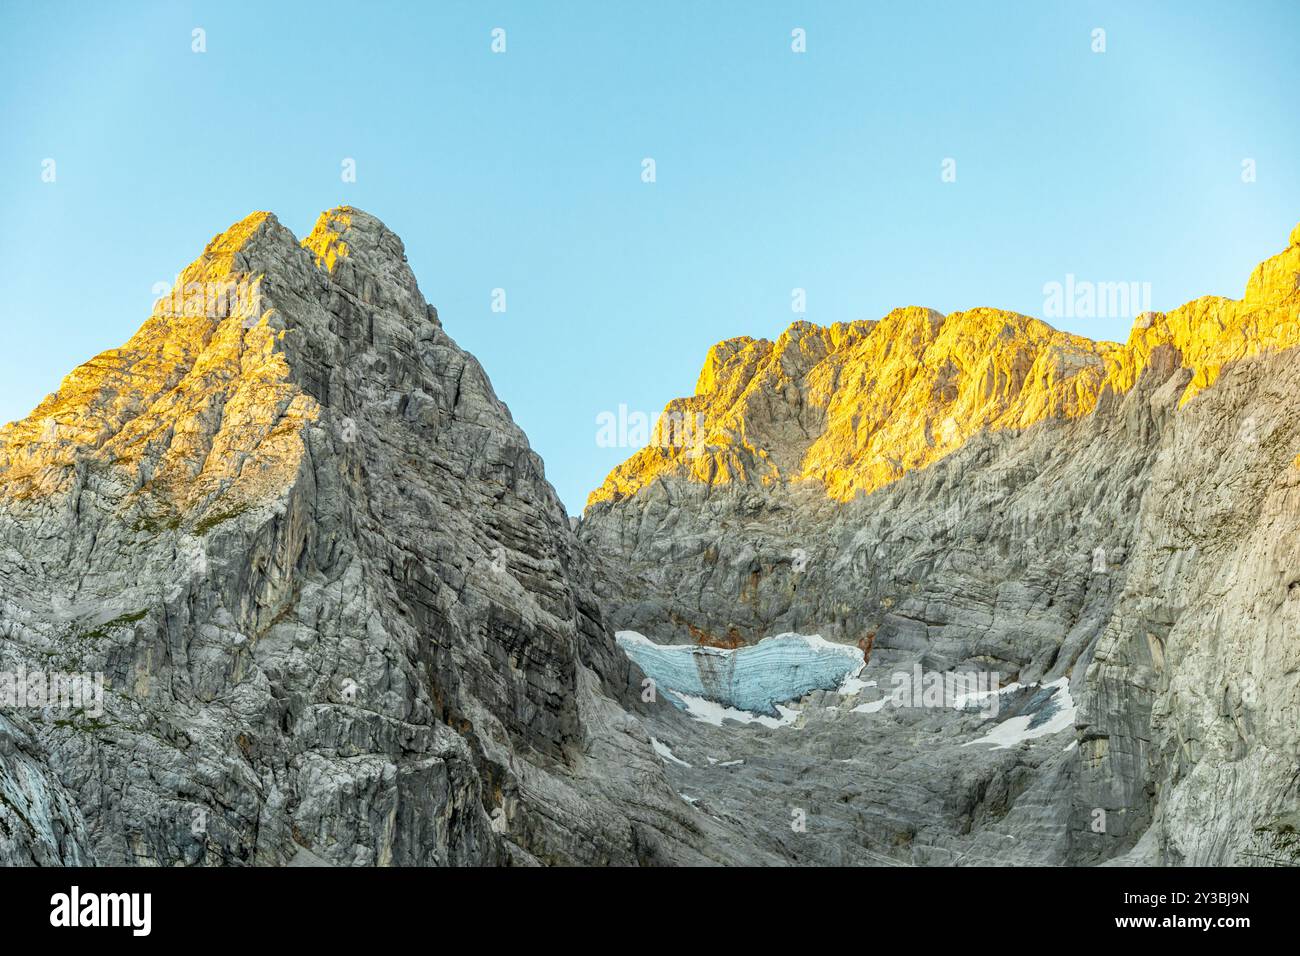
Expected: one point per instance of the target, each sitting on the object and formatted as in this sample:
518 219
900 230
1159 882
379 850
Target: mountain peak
362 254
347 232
855 406
297 529
244 247
233 363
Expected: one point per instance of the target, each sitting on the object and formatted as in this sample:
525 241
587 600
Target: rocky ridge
854 406
980 492
340 614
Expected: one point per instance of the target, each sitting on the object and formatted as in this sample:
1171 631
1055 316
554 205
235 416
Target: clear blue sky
522 170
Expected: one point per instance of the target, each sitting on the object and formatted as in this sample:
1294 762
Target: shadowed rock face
339 612
1040 507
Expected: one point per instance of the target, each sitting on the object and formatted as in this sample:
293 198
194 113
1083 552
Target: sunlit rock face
753 679
339 613
980 492
852 407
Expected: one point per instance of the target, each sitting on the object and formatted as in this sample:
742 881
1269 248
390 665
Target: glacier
746 682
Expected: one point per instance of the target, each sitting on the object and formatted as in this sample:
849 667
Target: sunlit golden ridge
855 406
197 416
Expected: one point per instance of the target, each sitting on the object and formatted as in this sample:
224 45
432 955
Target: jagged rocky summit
340 614
855 406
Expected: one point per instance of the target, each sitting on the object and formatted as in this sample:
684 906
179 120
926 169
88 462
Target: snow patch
711 712
852 685
1053 713
666 754
871 707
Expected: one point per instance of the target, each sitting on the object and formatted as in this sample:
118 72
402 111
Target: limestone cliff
853 407
980 491
338 610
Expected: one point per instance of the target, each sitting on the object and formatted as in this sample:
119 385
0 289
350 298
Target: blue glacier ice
754 679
